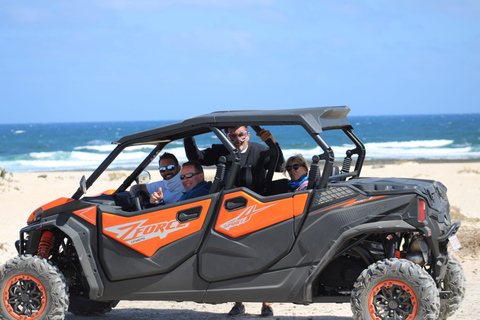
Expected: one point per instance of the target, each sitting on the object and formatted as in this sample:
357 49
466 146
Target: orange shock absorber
45 244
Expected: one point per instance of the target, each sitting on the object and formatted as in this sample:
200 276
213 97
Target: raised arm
206 157
265 135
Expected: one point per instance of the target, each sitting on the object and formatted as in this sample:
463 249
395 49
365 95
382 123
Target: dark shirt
201 189
210 156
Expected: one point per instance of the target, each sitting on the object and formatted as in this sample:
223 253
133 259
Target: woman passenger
297 169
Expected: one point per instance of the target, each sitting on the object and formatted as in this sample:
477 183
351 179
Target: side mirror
83 184
143 178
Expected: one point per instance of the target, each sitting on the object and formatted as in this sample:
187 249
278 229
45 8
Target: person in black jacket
239 136
250 153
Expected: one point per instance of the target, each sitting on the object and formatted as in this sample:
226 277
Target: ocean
83 146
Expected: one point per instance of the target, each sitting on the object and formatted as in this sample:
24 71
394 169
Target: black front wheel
32 289
395 289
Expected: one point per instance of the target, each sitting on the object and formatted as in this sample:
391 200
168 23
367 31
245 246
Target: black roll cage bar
314 121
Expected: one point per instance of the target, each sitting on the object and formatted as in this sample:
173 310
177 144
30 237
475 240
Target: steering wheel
141 199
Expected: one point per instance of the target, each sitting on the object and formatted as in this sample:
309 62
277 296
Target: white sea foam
411 144
90 157
421 149
98 148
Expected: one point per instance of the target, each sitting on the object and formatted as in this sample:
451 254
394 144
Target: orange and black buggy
380 244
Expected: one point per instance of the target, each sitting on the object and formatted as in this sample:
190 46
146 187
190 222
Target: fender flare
80 236
324 259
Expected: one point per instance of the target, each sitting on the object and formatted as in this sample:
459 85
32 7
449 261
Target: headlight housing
35 216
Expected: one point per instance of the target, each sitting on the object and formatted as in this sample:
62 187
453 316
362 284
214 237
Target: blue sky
114 60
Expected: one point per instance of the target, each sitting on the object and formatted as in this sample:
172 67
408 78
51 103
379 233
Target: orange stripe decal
255 215
351 202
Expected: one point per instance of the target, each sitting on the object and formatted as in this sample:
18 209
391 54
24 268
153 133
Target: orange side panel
56 203
299 202
110 191
255 216
149 232
50 205
89 214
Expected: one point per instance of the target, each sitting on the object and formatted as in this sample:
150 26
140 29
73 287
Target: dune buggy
381 244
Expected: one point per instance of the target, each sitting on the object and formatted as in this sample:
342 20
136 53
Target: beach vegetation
456 215
469 170
405 161
115 175
468 234
3 173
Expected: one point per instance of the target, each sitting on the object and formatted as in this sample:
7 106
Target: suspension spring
45 244
346 164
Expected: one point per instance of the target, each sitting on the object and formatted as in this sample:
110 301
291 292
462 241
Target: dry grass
405 161
112 176
468 170
7 182
456 215
468 234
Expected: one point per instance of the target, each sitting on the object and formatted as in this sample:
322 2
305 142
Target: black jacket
209 156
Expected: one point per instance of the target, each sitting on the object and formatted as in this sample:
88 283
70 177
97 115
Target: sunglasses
188 175
294 167
170 167
241 135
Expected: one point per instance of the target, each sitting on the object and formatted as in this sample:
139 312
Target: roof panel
314 120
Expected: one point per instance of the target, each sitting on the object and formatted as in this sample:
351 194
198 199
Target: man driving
171 186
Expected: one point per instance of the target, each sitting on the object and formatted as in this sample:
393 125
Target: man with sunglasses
171 186
240 137
193 180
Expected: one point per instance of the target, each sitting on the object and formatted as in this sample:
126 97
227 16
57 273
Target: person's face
168 169
239 137
298 173
196 178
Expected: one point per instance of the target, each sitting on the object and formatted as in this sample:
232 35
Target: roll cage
313 120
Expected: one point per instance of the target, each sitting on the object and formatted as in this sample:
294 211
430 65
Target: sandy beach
22 193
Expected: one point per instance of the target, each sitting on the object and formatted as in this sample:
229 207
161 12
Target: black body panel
180 284
121 262
224 258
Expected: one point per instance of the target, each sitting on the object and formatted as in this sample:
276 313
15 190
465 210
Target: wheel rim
392 300
24 297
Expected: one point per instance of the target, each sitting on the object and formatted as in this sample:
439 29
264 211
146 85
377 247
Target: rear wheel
32 289
454 282
395 289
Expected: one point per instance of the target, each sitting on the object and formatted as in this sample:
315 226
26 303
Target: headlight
35 216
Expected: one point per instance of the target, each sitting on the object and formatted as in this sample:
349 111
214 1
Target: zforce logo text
139 231
243 217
